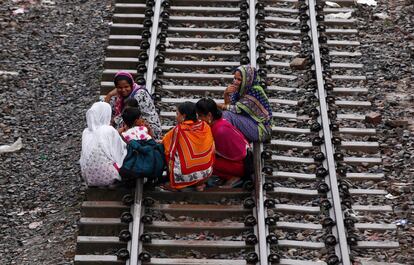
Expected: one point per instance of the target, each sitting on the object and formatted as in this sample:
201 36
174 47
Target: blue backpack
144 159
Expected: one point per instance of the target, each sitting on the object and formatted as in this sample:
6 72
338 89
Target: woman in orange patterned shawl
189 149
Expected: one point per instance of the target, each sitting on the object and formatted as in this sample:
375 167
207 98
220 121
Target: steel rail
260 210
153 46
329 149
257 150
252 32
133 247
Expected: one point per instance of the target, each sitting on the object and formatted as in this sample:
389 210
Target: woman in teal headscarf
246 105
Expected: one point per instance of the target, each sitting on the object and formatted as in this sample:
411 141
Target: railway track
315 181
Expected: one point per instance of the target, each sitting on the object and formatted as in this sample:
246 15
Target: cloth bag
144 159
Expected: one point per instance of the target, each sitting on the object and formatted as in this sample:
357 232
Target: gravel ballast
387 44
57 50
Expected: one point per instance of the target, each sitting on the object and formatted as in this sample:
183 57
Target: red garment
230 142
226 169
231 150
189 150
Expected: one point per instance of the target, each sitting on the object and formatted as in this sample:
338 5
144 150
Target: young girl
126 88
135 127
145 158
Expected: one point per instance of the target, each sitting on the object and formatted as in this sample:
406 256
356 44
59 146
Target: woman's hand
150 131
140 122
145 123
229 90
122 129
222 106
109 96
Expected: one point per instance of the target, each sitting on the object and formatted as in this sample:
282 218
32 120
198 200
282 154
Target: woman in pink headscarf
128 91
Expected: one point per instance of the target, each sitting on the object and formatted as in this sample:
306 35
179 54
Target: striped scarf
251 99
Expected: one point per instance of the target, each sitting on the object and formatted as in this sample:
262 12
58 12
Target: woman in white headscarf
103 149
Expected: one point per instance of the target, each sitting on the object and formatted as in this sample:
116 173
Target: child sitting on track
135 128
145 157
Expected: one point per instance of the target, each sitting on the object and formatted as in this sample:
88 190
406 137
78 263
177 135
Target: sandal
214 182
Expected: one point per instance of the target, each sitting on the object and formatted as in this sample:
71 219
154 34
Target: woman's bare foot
167 187
229 183
200 187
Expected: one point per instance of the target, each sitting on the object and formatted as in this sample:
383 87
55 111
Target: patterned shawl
251 99
189 150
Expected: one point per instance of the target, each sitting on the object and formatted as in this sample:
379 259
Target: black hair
130 115
189 110
131 102
206 105
123 77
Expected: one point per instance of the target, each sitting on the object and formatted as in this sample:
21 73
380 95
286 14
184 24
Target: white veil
100 133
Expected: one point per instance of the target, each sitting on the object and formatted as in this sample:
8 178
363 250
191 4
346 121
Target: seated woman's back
103 150
189 149
230 144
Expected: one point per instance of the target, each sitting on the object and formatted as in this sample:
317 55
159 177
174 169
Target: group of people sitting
209 139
